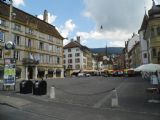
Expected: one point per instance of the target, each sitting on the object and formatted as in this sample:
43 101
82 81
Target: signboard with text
9 71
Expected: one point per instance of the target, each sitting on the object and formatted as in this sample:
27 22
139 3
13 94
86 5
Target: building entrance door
30 72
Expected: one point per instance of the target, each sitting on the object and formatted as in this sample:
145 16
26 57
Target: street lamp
10 65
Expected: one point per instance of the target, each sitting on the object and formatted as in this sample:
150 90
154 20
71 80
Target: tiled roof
29 20
74 44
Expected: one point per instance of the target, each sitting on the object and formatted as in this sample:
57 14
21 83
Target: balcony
30 62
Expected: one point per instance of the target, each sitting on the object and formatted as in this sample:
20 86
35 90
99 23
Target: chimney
45 16
78 39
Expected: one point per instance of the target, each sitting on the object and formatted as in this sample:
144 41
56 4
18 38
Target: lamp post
10 65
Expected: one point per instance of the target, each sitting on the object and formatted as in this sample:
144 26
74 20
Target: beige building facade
39 46
152 34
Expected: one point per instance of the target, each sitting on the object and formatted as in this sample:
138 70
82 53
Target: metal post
10 19
52 92
114 101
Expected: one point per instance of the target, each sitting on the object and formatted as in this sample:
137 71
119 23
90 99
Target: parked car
87 75
81 74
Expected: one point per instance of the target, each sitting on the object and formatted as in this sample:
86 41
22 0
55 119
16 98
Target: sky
119 19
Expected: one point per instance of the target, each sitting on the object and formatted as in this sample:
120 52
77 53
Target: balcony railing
30 62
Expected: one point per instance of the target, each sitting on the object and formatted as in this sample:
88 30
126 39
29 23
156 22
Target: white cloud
113 14
119 19
17 3
115 38
51 18
67 28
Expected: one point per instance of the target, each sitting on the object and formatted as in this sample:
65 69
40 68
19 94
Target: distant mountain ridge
110 50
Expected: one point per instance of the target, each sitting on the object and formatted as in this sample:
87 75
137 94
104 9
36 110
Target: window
1 36
69 60
77 54
50 48
64 56
30 31
77 66
17 27
17 39
77 60
17 55
69 55
1 53
158 30
145 55
50 37
70 66
64 61
2 22
154 52
77 49
152 32
69 50
29 43
41 46
58 60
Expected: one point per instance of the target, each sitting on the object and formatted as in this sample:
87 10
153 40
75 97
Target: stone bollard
114 99
52 92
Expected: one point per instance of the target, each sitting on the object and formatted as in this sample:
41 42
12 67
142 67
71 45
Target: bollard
52 92
114 101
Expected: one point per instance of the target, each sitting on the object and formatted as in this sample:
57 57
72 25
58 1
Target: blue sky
119 18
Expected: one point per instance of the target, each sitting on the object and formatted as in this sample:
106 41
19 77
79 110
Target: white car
81 74
87 75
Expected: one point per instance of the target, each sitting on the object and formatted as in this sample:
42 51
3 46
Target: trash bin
26 86
40 87
36 88
43 86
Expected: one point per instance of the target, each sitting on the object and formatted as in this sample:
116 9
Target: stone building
152 33
39 46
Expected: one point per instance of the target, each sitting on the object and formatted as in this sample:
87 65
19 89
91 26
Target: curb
14 101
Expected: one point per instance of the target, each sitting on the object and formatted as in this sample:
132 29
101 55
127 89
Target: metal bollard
114 101
52 92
